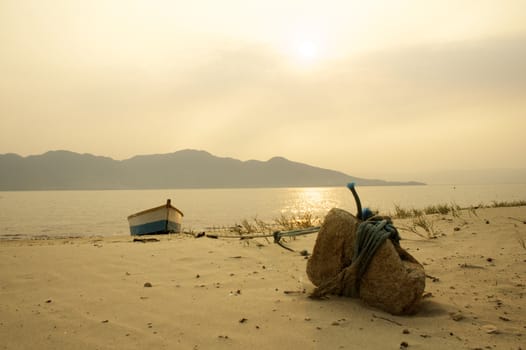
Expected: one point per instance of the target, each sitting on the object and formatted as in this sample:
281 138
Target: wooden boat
163 219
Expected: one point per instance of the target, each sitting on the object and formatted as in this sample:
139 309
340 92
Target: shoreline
93 292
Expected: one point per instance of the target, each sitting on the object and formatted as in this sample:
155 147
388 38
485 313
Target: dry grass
506 204
256 225
422 226
443 209
404 213
283 223
293 222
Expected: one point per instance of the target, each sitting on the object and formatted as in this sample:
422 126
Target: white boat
163 219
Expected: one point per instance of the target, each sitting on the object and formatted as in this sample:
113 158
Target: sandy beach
201 293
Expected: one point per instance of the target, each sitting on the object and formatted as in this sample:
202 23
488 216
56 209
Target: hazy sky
364 87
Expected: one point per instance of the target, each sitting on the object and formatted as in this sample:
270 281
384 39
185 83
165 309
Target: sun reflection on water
316 201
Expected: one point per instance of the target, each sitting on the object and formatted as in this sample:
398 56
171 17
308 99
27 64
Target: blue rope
371 235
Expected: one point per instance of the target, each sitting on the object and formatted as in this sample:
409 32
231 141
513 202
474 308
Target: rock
456 316
147 285
490 329
394 281
333 249
391 283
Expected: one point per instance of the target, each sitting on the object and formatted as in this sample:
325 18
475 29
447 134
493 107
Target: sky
371 88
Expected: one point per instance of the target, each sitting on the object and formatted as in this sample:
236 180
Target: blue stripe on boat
161 226
173 226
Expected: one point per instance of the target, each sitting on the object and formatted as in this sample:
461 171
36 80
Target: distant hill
64 170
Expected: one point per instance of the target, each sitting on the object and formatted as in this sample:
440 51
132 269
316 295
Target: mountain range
65 170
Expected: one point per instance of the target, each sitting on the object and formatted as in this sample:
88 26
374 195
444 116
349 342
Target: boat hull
160 220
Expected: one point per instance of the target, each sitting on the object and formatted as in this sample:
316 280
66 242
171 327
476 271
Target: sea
53 214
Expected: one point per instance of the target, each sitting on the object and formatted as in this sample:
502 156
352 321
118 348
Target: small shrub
284 222
416 212
401 213
425 224
455 210
430 209
293 222
250 227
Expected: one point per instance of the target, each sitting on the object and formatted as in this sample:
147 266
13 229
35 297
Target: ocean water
104 213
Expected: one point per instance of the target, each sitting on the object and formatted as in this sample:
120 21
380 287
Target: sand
229 294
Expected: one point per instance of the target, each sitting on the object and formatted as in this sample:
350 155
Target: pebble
147 285
456 316
490 329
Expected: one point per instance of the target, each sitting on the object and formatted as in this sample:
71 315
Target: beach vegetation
295 222
404 213
255 225
506 204
473 210
281 223
424 223
420 222
442 209
437 209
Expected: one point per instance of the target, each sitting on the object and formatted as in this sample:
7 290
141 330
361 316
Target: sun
307 54
306 51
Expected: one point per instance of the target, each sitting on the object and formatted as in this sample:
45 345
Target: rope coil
371 234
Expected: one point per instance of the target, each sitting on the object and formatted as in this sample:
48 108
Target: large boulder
394 281
334 246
